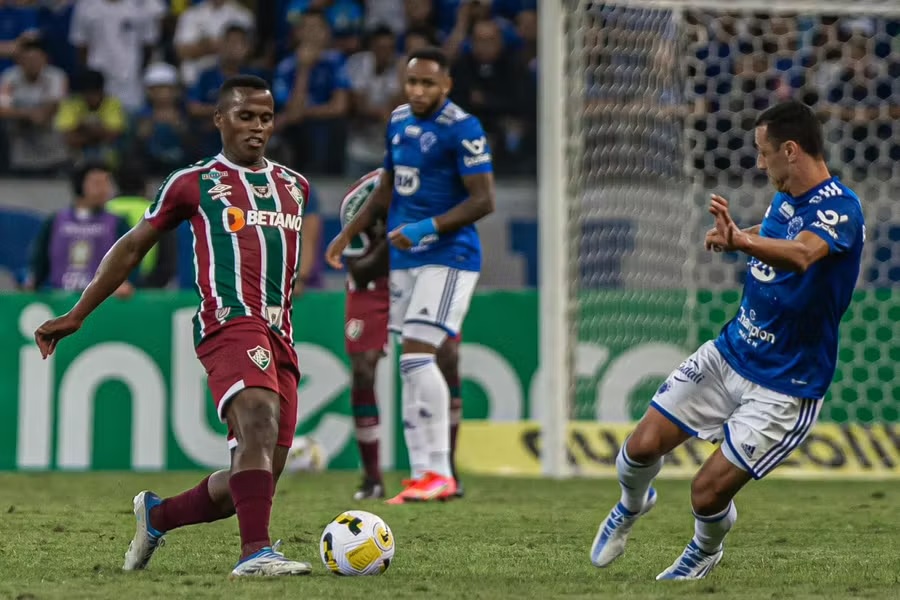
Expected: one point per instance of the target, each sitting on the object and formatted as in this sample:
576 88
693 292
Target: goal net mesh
660 104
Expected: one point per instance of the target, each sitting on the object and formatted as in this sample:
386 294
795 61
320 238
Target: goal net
652 109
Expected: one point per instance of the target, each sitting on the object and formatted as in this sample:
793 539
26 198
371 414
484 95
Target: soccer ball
357 542
305 456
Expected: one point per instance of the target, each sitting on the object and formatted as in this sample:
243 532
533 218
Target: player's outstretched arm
375 207
788 255
118 263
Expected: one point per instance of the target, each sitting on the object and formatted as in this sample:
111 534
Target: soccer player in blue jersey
437 183
758 387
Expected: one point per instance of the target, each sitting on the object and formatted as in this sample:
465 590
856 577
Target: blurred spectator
345 19
311 251
420 17
469 13
389 13
55 21
159 265
492 85
527 30
91 120
116 37
162 140
18 23
376 92
234 54
74 240
199 34
30 93
312 98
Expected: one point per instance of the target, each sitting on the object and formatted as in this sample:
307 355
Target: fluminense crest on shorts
260 356
354 329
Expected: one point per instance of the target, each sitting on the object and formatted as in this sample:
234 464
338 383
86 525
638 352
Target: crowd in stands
132 85
125 80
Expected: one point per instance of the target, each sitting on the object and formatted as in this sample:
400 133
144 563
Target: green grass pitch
64 535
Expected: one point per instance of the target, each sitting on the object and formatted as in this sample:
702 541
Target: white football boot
609 543
269 562
693 563
146 539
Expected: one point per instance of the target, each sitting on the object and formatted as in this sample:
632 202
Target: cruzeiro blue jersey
785 334
429 157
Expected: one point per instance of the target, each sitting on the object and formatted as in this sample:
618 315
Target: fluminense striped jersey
246 227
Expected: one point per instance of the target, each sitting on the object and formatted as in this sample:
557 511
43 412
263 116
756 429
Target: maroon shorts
248 353
366 317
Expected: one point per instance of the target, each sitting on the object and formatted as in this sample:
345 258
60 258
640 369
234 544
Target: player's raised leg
366 419
637 465
693 401
448 362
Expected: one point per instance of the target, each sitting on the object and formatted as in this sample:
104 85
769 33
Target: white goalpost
646 107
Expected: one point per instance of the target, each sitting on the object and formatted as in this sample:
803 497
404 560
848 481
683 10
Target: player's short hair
796 122
80 171
433 54
226 91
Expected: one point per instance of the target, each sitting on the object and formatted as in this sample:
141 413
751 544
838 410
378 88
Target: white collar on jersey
267 169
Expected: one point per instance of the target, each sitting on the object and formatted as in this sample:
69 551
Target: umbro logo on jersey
260 356
220 191
234 219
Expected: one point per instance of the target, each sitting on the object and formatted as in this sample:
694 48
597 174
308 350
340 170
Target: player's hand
48 335
335 251
714 240
413 234
730 237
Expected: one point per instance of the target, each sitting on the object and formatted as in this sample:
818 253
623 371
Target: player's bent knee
422 337
253 416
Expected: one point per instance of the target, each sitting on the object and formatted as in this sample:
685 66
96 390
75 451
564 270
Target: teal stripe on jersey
276 262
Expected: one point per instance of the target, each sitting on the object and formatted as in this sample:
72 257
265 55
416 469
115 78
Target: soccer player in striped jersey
245 213
437 184
758 387
366 336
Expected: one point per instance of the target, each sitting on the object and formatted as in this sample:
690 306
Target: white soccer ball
305 456
357 542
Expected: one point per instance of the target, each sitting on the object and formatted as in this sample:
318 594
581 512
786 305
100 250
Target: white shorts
433 295
758 427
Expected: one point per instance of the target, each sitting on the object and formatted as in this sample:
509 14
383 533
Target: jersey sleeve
353 201
839 222
473 154
177 200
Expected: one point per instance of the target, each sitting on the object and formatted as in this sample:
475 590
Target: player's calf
366 420
253 417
